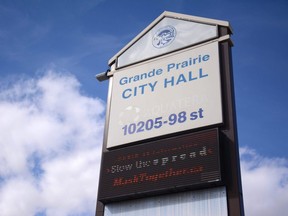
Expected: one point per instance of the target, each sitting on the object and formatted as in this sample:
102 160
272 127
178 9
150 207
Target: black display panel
155 167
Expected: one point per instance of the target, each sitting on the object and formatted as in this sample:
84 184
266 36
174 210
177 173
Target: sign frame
227 130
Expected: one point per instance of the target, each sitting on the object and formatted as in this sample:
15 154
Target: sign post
171 121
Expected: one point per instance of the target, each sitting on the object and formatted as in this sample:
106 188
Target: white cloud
19 196
72 181
51 138
265 184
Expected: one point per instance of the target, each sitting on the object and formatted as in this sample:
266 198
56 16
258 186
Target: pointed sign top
167 33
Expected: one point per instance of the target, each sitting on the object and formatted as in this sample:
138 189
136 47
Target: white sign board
167 95
211 201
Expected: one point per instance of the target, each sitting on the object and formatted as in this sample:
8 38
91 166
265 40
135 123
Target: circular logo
128 114
164 37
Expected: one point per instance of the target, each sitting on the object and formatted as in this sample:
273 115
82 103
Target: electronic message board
184 161
167 95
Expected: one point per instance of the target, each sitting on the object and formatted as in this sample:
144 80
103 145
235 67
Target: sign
183 161
167 95
163 83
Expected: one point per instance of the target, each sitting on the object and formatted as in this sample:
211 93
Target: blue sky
52 108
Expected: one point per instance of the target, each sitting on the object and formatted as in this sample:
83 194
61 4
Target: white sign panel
171 94
192 203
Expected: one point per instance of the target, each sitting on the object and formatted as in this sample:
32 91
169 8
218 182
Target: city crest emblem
164 37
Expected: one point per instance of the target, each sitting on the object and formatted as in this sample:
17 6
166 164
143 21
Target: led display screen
155 167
